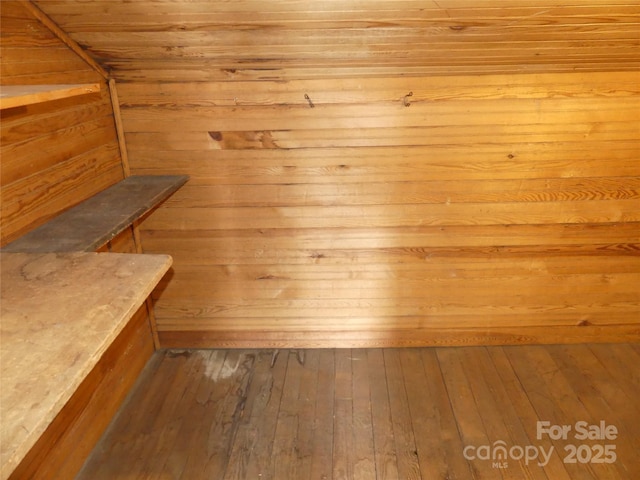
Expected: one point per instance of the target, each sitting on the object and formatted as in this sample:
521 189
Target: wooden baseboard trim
401 338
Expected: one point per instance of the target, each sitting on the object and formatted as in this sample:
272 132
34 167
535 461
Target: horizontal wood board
94 222
19 95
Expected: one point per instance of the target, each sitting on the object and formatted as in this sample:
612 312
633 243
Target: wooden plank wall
201 40
383 172
396 210
57 153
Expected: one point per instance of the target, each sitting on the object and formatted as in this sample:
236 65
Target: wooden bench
62 307
60 312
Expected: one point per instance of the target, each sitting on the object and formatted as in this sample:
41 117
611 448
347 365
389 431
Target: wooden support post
127 172
115 104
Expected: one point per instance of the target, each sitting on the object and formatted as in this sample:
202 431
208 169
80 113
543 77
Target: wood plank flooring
423 413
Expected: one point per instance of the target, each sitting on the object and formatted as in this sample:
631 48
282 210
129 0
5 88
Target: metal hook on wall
405 100
309 100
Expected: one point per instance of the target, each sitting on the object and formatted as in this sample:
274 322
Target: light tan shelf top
20 95
59 312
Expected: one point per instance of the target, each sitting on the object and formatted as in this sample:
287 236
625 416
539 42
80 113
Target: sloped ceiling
216 39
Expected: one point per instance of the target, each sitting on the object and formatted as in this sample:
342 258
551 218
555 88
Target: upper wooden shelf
20 95
94 222
58 315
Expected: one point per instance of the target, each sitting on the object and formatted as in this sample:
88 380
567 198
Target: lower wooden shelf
59 313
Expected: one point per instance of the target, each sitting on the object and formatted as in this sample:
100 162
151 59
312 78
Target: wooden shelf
92 223
62 305
58 315
21 95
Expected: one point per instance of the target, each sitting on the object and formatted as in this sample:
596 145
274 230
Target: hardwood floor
428 413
